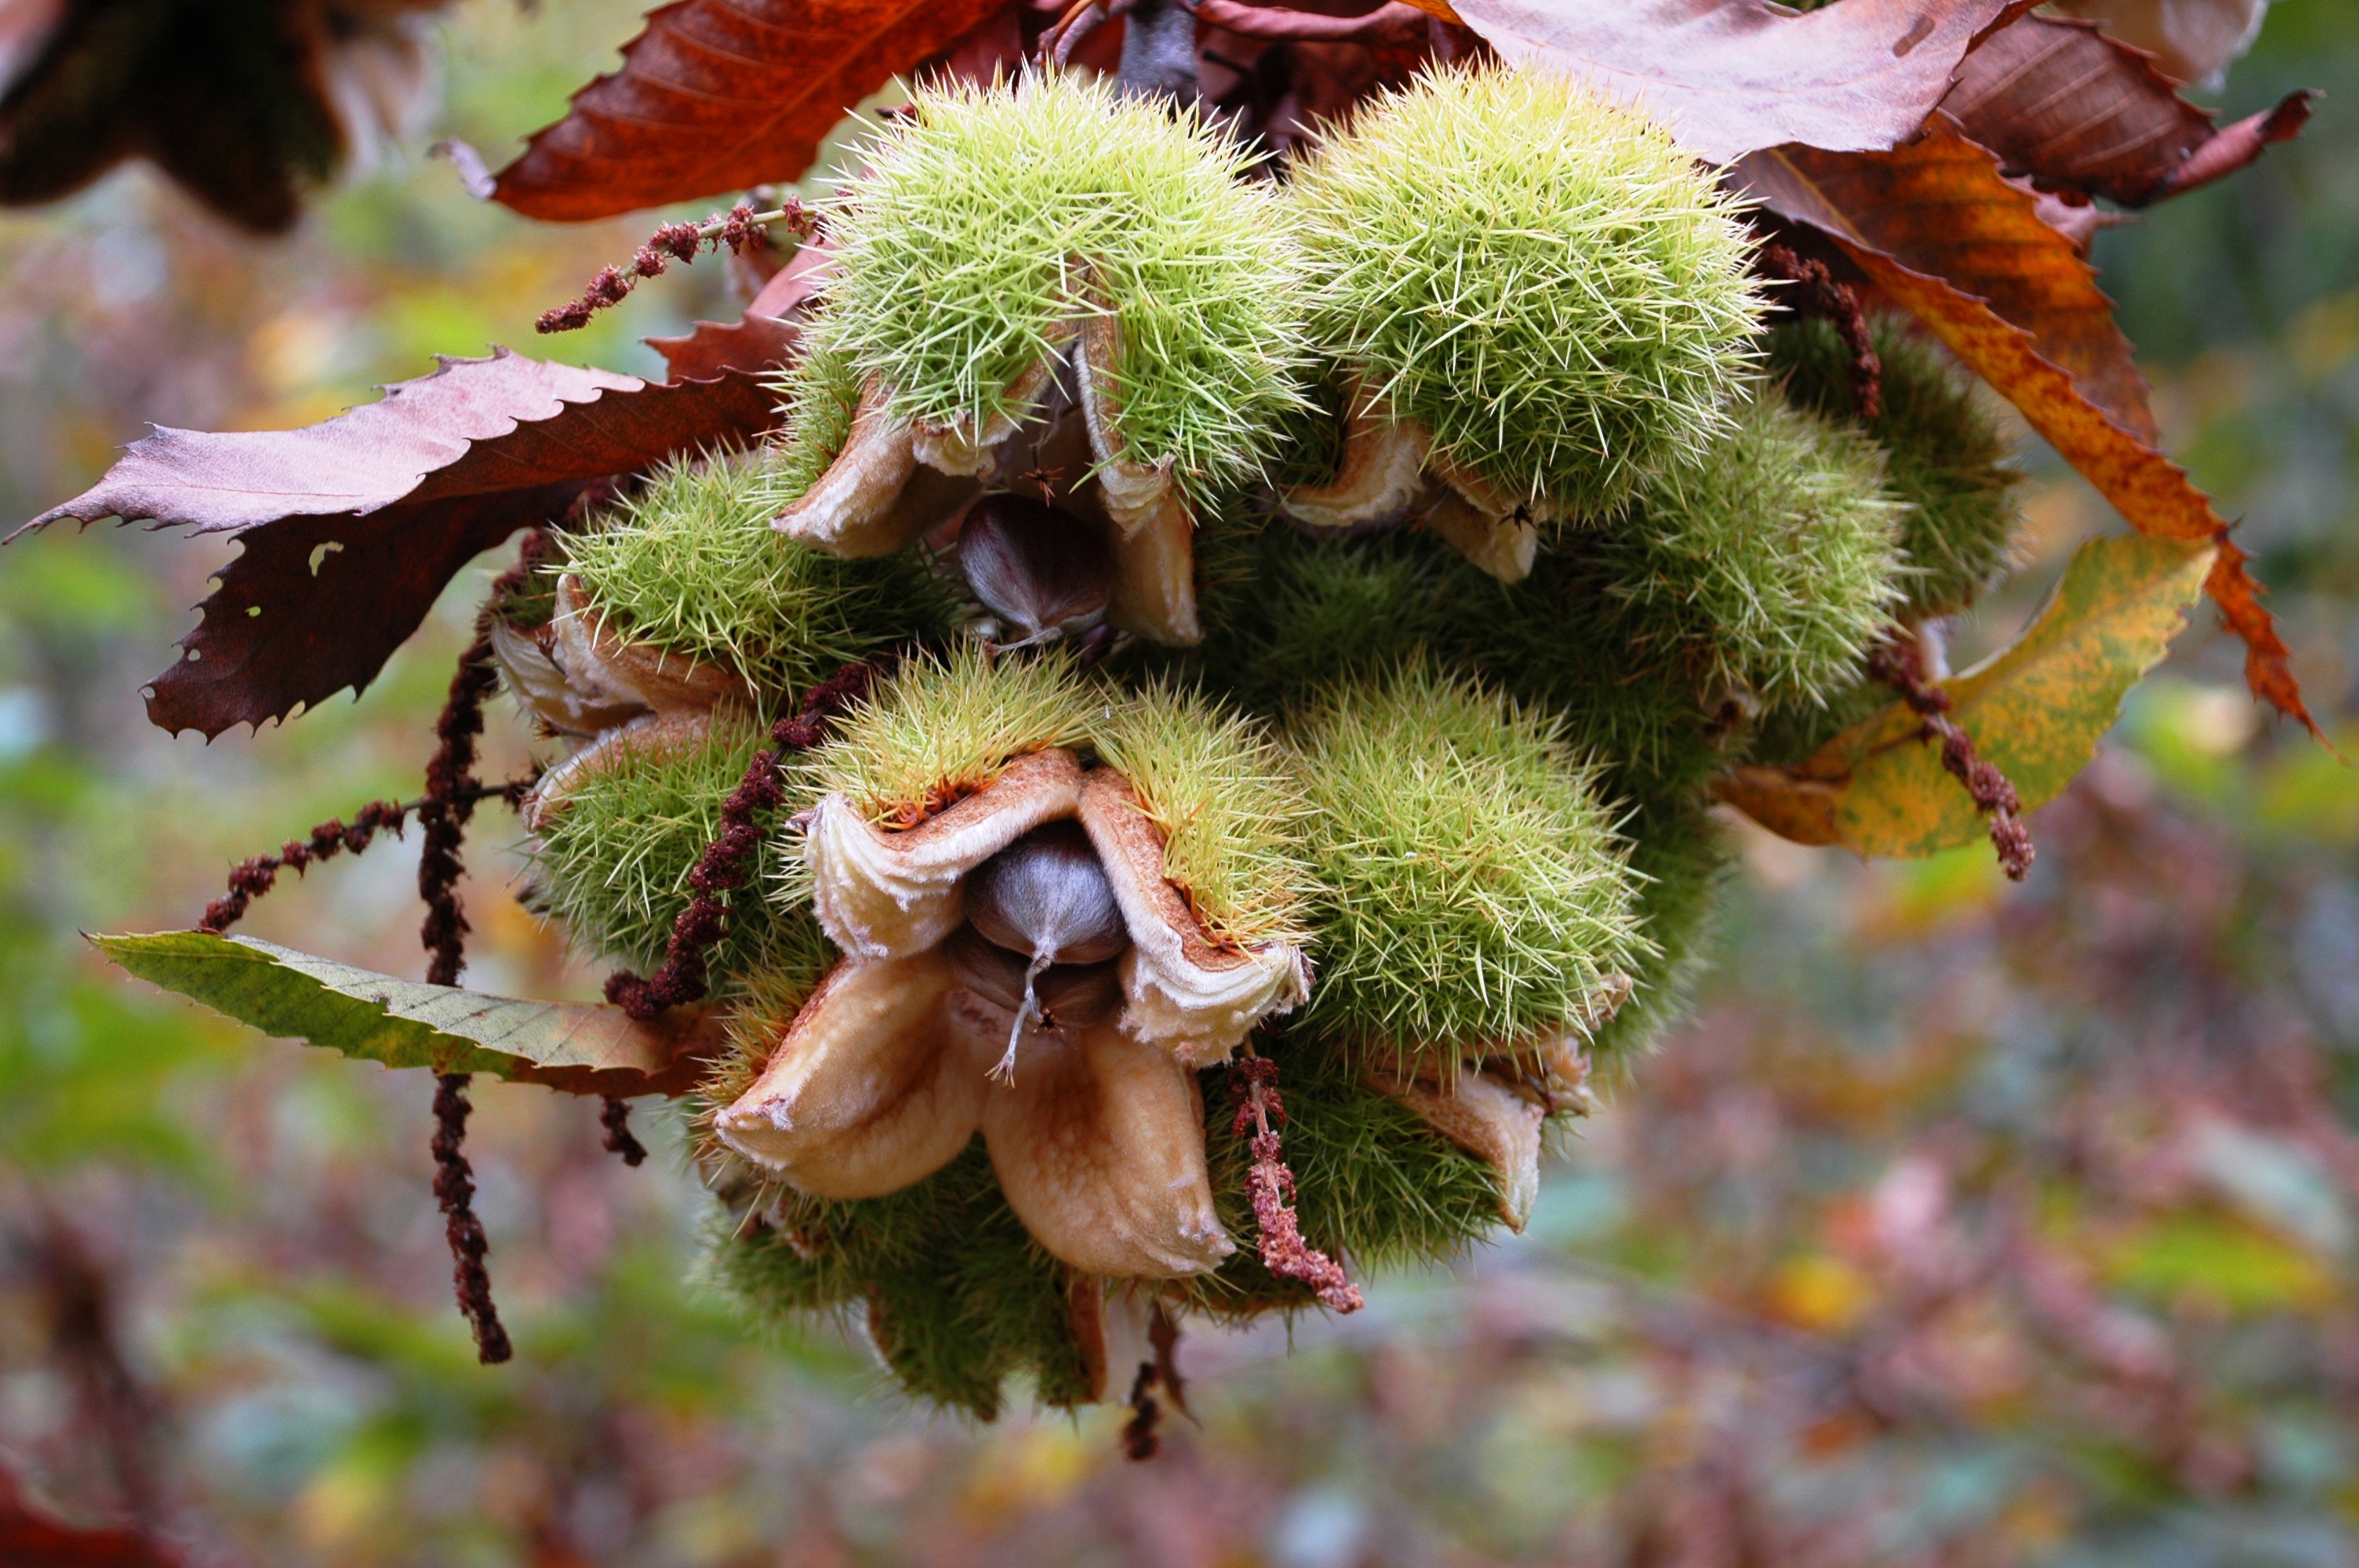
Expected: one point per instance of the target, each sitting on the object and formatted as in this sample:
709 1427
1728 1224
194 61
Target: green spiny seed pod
818 396
1555 641
1475 894
1224 796
945 725
1768 570
691 565
1306 612
1944 454
1786 735
991 220
958 1297
1542 279
1311 611
1686 858
614 855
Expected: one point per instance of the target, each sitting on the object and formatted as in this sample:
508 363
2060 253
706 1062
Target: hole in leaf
320 554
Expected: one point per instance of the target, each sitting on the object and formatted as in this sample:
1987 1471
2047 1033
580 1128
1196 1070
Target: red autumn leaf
350 528
1730 77
754 343
29 1538
763 338
2147 488
1940 206
2069 106
717 95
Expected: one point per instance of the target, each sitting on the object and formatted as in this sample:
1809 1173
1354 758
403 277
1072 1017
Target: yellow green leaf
582 1048
2037 708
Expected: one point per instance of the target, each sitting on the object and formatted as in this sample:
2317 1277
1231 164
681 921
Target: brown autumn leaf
2070 107
1940 205
1730 77
2147 488
240 104
2192 39
754 342
350 527
717 95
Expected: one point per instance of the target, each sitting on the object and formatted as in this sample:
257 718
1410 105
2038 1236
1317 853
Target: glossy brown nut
1047 897
1036 567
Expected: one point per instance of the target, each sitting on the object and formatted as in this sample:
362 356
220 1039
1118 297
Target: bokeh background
1965 1224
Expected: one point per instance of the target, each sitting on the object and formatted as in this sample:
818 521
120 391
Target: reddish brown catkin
450 796
1898 664
258 874
615 1116
732 231
727 862
1817 294
1253 1081
1140 1441
454 1189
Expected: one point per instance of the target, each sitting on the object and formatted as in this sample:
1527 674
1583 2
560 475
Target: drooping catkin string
1899 665
1253 1081
442 817
1815 293
733 230
727 863
1142 1436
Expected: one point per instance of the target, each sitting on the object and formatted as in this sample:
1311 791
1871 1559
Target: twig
733 230
1817 294
1080 20
1898 664
1253 1083
727 862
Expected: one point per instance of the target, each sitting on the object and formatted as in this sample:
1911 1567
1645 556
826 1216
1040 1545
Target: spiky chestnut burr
1476 900
1036 279
1540 301
688 565
1945 455
1768 572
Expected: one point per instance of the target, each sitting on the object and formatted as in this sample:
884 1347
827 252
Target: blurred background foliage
1964 1226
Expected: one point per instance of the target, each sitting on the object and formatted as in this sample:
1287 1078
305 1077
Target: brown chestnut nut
1041 571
